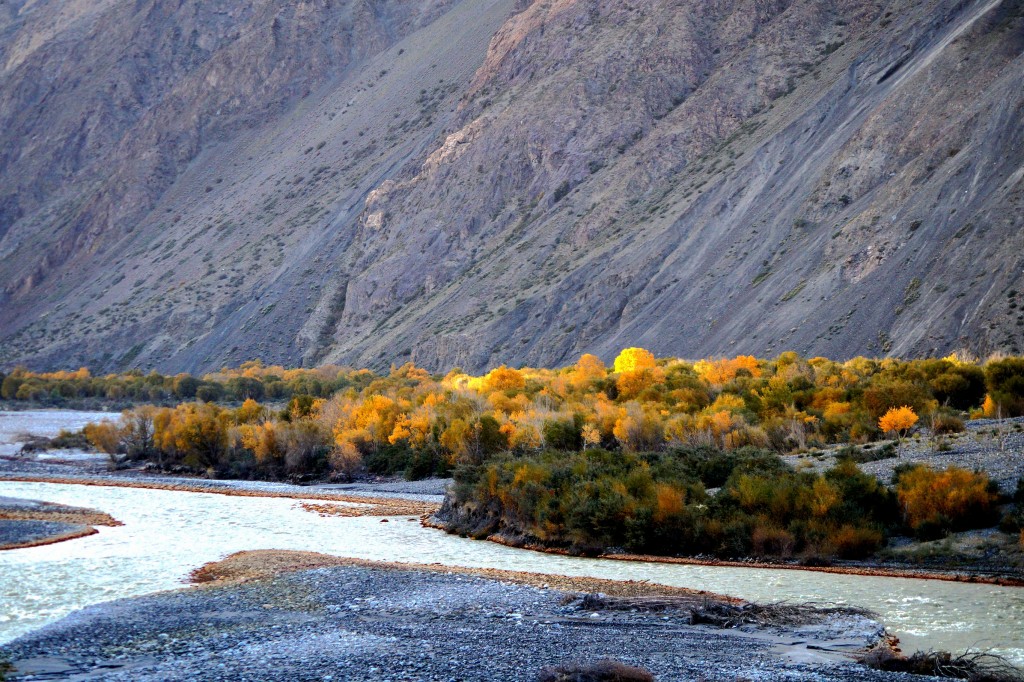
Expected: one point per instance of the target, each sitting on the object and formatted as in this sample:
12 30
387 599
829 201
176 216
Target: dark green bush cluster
658 503
867 453
1005 379
401 459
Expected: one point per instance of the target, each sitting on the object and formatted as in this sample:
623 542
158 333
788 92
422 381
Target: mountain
186 184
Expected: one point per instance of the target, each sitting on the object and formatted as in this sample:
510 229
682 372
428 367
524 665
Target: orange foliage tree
898 420
937 501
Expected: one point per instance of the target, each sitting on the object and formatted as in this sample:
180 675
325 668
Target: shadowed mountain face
190 184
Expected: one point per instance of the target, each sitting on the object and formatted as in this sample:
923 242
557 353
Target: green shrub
561 434
866 453
944 423
657 503
388 461
961 387
209 392
1005 381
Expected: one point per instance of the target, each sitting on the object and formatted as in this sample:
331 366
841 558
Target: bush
961 387
602 671
1005 381
865 454
1013 520
185 387
209 392
105 436
937 502
562 434
944 423
655 503
851 542
388 461
770 540
66 440
244 388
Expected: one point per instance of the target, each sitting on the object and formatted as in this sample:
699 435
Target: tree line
338 421
652 455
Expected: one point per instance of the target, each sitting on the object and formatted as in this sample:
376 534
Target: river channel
166 534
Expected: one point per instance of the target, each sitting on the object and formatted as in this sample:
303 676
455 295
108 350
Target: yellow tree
591 436
898 420
588 368
457 439
250 412
634 359
504 379
105 436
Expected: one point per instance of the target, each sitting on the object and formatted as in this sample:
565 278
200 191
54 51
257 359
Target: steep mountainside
190 184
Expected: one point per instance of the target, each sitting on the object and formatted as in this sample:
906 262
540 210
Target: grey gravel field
30 531
356 623
25 522
995 447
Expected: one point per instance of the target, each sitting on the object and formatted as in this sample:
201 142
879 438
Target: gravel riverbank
28 523
364 621
989 445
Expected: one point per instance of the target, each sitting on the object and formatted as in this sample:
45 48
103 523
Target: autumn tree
633 359
504 379
138 431
105 436
898 420
199 431
249 412
724 370
587 370
638 429
935 502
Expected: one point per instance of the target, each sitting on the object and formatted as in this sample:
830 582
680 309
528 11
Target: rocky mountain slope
190 184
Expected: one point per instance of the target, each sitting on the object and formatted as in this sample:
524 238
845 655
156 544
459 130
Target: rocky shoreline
300 616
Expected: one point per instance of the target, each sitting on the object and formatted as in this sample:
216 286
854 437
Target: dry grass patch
259 564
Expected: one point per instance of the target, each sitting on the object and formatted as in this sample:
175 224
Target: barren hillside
190 184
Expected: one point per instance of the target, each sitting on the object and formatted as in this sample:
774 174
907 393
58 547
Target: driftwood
975 666
723 614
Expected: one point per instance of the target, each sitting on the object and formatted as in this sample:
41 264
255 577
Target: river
166 534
